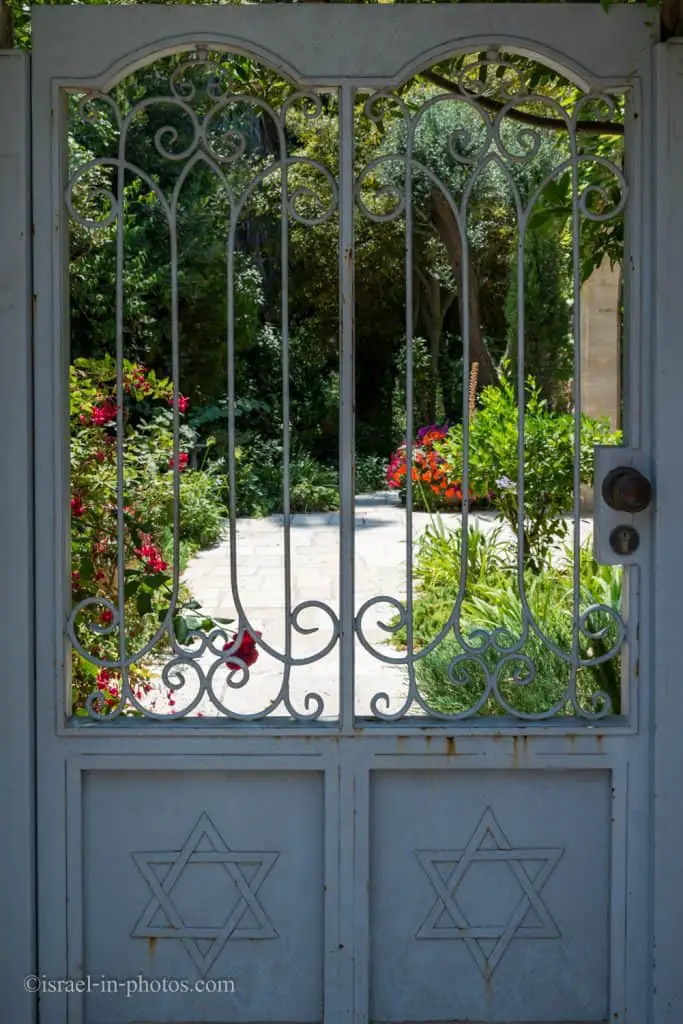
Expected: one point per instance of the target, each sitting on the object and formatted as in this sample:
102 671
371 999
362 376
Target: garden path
380 541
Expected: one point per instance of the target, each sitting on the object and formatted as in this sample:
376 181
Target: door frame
657 807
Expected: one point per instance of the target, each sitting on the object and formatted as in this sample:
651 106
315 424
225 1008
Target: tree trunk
6 31
449 234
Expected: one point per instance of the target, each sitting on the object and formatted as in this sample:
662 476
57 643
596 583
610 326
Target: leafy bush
313 486
202 513
548 462
548 344
492 603
149 472
371 474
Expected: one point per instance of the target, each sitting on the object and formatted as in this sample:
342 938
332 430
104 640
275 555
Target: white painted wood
17 897
667 819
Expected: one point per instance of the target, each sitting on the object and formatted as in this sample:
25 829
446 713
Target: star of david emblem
161 918
446 870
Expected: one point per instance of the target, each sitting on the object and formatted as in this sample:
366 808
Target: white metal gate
313 857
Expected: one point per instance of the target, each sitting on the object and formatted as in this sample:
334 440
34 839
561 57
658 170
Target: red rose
247 651
77 506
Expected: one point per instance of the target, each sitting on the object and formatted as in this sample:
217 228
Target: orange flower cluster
429 468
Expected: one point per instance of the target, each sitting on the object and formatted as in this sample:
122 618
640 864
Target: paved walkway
380 570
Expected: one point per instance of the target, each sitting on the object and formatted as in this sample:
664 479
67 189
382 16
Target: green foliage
371 474
202 512
492 602
548 462
202 223
602 234
548 346
424 383
143 534
313 486
447 137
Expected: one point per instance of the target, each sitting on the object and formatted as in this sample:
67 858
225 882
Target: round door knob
626 490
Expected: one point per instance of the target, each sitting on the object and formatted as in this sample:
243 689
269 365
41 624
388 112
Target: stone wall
600 356
600 352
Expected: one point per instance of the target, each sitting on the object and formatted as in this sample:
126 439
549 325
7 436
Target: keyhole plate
624 540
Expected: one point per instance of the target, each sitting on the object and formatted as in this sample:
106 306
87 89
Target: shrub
313 486
371 473
202 514
548 462
146 527
492 603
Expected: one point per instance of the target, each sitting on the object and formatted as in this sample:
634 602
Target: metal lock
624 540
625 489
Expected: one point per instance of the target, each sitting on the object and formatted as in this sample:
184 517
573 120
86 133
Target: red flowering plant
435 485
246 651
136 524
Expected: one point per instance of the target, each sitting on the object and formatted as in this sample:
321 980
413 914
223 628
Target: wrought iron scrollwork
489 92
207 123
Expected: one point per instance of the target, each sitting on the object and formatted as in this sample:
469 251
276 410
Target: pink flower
103 414
103 679
183 459
151 555
106 617
183 404
77 506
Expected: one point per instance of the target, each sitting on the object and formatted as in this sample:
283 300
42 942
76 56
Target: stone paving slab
381 546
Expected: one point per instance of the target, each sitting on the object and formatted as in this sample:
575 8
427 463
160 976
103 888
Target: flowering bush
548 462
434 481
134 526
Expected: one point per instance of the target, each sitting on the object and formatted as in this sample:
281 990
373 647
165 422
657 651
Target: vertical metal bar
576 517
347 410
521 399
230 388
410 425
286 431
466 369
120 473
175 372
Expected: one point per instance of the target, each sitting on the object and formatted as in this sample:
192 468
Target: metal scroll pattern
205 121
487 93
205 667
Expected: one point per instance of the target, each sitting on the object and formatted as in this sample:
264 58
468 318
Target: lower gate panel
202 897
490 896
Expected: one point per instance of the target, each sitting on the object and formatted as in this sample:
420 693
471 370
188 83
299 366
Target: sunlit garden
210 393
